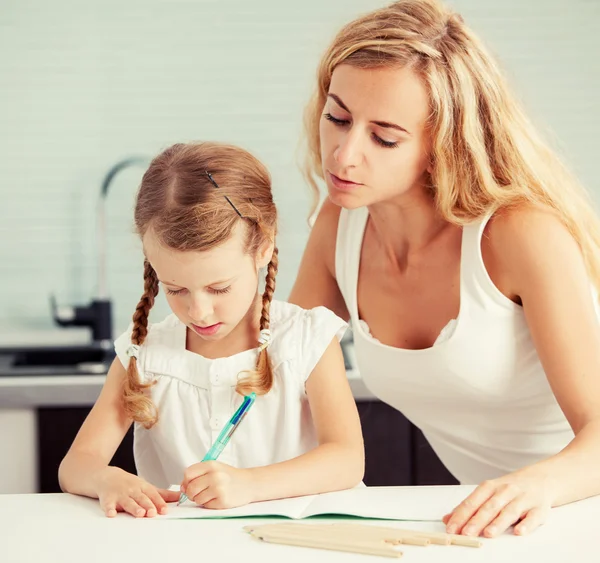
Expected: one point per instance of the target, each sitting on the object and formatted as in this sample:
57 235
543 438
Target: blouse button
215 423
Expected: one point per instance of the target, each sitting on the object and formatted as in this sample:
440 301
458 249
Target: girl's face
374 139
211 291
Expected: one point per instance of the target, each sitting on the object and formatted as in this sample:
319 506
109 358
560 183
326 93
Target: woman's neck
406 226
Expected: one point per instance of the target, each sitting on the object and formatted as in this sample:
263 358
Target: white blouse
195 396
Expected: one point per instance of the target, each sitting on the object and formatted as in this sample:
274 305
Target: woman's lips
341 184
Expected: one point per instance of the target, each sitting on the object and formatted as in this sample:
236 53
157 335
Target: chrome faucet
97 315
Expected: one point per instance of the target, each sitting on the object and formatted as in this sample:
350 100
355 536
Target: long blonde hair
486 153
189 210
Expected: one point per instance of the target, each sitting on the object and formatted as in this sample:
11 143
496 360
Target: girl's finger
146 503
157 500
168 496
196 486
206 497
130 506
109 506
193 472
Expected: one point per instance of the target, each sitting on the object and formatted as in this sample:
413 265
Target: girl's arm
339 460
98 438
85 469
336 463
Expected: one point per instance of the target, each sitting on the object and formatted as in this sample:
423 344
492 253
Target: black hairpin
224 195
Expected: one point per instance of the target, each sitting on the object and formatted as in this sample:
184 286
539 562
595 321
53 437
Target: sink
55 360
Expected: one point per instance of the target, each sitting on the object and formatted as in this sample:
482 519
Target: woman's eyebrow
385 124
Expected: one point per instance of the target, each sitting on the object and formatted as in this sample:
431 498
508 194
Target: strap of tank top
474 274
351 228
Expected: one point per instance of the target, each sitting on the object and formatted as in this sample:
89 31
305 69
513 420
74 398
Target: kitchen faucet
97 315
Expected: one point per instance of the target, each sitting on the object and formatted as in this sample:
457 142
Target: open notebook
383 503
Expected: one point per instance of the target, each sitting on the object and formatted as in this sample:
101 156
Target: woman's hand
523 498
211 484
119 491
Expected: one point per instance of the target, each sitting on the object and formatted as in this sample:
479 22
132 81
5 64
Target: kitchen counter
27 392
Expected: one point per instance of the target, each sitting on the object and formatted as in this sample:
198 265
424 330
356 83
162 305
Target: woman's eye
387 144
335 120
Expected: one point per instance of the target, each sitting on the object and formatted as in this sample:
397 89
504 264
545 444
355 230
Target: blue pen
225 435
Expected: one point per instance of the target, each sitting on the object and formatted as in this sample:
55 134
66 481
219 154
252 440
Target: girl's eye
221 291
174 291
335 120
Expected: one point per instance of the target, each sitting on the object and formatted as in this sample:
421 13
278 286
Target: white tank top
480 394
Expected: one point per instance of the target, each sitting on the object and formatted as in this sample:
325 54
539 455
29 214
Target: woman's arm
316 281
538 261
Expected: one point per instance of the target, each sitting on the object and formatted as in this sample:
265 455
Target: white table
64 529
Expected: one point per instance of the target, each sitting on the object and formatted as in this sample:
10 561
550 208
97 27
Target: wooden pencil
341 531
331 543
395 535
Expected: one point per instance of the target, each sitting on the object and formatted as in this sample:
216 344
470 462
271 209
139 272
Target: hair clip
212 181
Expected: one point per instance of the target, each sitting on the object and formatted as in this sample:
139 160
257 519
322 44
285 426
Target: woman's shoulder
518 239
514 231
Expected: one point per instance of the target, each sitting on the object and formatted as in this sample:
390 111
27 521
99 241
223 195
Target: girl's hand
119 491
520 498
211 484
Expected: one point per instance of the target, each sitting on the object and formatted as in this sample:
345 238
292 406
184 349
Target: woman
466 258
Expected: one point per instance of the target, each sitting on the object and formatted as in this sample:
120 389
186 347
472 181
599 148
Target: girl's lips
342 184
207 330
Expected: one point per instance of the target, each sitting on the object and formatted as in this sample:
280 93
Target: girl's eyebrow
209 285
222 281
169 283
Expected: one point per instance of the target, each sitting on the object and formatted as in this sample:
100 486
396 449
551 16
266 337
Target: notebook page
289 508
390 503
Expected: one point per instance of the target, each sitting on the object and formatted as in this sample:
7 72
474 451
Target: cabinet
56 430
396 451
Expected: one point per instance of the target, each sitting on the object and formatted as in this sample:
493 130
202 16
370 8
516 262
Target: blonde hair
186 210
486 153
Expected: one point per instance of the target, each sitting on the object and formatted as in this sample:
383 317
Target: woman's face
374 140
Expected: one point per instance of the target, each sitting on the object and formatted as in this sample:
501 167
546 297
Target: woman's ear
265 253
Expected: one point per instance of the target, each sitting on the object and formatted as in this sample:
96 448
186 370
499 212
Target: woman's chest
408 309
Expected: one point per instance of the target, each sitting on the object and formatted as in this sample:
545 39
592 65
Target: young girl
207 220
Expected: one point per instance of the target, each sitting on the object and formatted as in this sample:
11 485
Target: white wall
83 84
